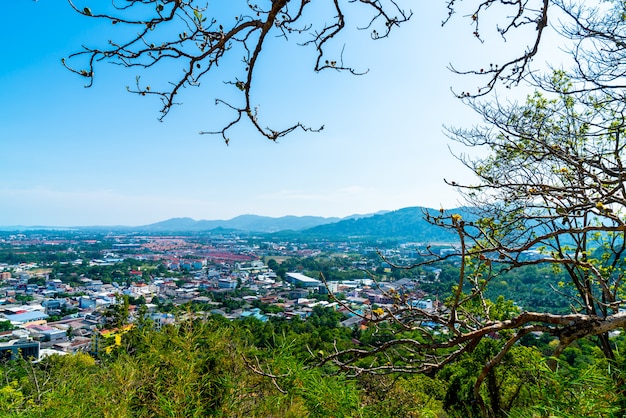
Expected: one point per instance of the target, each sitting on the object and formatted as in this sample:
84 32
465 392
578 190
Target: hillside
406 224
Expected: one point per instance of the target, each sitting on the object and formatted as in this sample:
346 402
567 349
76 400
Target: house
379 297
77 345
254 313
94 285
227 283
85 302
142 289
55 284
31 288
422 304
44 333
162 319
54 304
352 321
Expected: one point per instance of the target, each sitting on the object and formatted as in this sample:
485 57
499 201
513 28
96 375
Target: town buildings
69 306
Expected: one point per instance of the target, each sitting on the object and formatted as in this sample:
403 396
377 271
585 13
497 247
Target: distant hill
405 224
251 223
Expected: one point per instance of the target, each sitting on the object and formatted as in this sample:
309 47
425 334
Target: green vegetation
249 368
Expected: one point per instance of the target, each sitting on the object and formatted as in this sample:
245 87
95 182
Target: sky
75 156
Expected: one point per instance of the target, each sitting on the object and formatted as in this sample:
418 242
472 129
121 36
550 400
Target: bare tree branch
152 34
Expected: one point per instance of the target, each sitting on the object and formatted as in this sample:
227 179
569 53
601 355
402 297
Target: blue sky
74 156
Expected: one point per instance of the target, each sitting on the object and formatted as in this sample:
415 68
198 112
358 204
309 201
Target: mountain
252 223
405 224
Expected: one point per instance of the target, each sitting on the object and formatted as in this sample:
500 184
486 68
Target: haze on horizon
75 156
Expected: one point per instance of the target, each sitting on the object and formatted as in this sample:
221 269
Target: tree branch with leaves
549 192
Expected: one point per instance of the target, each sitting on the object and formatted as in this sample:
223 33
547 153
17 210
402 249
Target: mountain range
402 224
406 223
248 223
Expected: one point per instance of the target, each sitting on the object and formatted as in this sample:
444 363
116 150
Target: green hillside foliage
404 224
251 369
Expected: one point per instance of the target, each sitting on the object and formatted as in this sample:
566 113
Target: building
298 293
55 284
254 313
27 318
227 284
379 297
77 345
54 304
44 333
143 289
300 280
162 319
85 302
354 320
422 304
23 346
